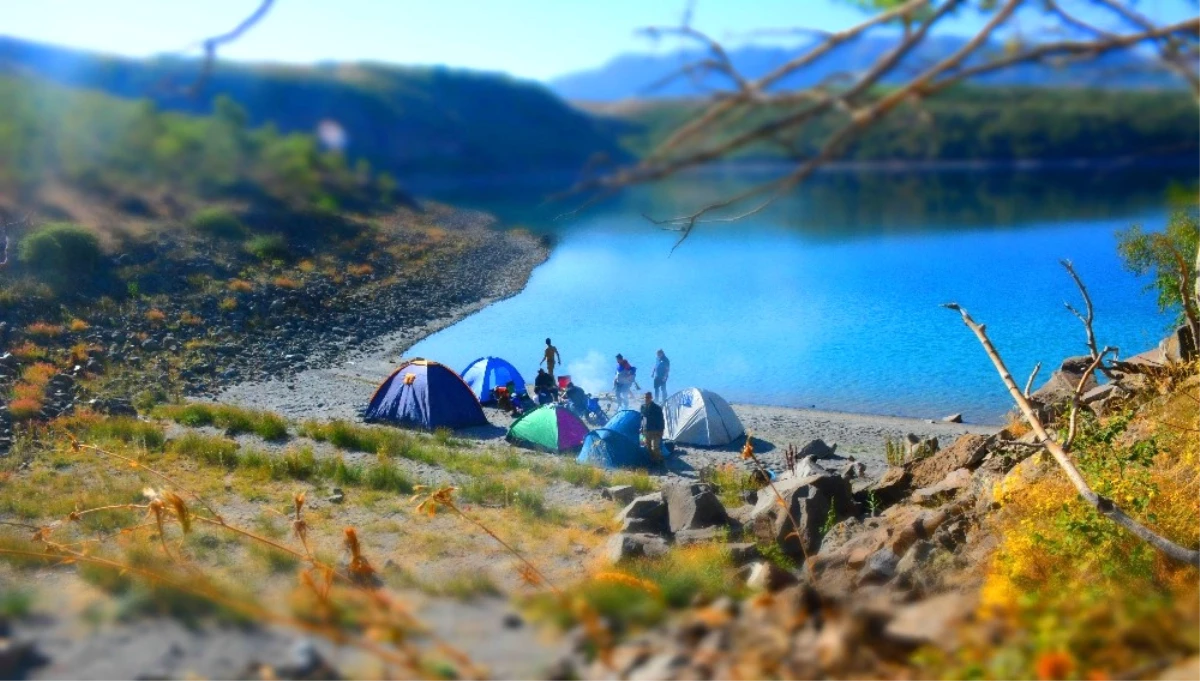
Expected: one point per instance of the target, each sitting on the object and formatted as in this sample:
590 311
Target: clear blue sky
536 39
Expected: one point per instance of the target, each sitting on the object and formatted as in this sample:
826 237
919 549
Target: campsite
633 340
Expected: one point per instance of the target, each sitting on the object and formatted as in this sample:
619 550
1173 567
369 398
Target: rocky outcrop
807 504
645 515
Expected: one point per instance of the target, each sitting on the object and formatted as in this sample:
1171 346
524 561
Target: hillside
402 119
973 123
635 75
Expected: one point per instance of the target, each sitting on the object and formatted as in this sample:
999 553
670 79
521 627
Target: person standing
550 358
653 425
623 382
662 370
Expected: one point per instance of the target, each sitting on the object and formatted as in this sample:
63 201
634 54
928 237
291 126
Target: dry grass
189 319
155 316
286 283
228 304
43 330
78 326
360 270
240 286
29 352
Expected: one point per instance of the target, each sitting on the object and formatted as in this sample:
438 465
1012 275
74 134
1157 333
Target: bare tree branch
210 45
1032 375
698 141
1088 318
1102 504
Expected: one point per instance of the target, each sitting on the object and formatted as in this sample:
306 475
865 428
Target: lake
832 297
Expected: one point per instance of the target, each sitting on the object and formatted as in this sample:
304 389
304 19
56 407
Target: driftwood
1105 506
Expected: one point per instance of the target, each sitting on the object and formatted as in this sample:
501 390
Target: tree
1167 256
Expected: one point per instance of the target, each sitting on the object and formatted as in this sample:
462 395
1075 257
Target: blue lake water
831 298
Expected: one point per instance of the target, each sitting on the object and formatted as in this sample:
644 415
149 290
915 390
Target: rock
880 567
806 467
18 658
622 494
808 501
817 449
853 470
113 407
304 661
750 496
513 621
908 569
958 480
1182 671
623 546
918 448
692 506
703 535
933 621
1100 392
953 418
967 451
767 576
645 514
1056 393
337 497
888 490
743 553
1179 346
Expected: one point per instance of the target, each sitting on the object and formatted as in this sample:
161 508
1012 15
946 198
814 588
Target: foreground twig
1102 504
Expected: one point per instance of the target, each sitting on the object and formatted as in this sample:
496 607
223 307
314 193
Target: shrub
268 247
61 253
44 330
29 352
218 223
228 304
189 319
123 429
360 270
215 451
23 409
78 326
156 316
386 477
286 282
240 286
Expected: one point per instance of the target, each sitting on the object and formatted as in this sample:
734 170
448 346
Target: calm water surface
832 297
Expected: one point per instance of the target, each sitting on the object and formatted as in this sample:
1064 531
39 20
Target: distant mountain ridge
635 75
401 119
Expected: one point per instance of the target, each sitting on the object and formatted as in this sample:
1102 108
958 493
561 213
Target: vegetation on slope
967 124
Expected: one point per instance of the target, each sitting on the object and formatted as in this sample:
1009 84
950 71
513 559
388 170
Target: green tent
551 427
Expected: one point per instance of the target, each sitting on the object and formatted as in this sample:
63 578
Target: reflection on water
831 297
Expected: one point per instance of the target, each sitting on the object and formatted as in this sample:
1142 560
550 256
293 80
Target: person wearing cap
653 425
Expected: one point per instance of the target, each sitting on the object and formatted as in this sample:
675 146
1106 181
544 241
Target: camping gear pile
426 394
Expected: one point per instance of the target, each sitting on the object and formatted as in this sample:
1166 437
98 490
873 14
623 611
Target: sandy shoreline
342 391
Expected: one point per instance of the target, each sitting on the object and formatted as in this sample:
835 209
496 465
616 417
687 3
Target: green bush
268 247
61 252
218 223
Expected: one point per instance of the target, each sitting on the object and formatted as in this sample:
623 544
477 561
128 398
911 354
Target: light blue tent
487 373
607 448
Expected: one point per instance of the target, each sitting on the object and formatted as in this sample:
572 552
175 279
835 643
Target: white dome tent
702 418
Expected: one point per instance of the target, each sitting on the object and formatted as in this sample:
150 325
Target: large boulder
623 546
1179 346
646 514
1055 394
809 502
692 506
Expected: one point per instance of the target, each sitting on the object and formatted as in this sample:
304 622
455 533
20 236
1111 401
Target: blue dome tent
487 373
427 395
616 445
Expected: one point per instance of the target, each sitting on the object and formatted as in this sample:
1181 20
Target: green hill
402 119
975 123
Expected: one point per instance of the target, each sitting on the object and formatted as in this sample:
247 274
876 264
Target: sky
535 39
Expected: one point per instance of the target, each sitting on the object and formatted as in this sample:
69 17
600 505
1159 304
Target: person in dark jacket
653 425
544 387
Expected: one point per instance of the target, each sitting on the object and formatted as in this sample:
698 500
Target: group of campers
549 389
558 415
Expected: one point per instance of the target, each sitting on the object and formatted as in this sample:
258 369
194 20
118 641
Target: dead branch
1077 394
863 106
1032 375
210 45
1087 319
1102 504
